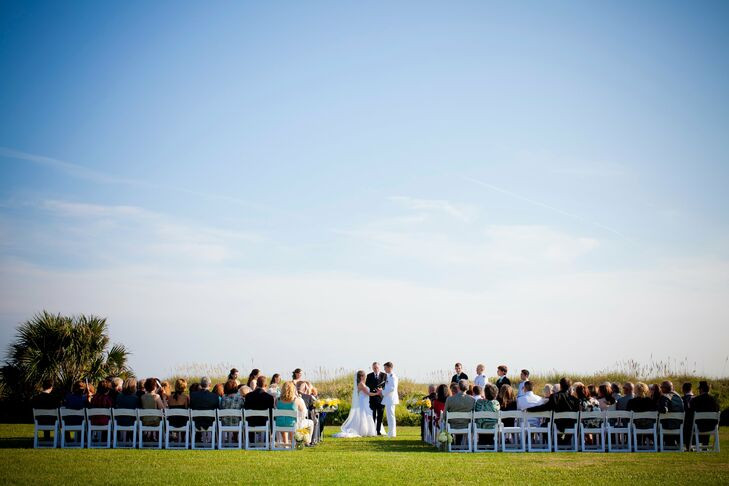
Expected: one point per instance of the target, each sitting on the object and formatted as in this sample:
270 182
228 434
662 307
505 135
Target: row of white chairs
174 429
598 431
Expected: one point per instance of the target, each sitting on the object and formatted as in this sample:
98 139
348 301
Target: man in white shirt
528 399
480 379
524 378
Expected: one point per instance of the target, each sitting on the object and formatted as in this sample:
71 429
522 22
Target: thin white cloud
463 212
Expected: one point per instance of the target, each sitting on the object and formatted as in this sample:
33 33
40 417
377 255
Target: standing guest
233 375
524 377
274 388
688 394
442 392
232 400
605 397
253 378
481 379
622 403
296 376
151 400
204 399
615 390
258 399
286 402
179 400
642 403
507 401
460 402
562 401
704 403
502 380
528 398
460 375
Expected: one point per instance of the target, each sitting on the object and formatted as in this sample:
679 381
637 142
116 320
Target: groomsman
481 378
376 381
460 375
502 379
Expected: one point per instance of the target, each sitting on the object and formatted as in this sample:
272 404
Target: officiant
376 381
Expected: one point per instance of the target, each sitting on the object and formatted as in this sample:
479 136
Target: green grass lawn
347 461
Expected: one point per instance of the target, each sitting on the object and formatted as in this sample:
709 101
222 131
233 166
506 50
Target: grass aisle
350 461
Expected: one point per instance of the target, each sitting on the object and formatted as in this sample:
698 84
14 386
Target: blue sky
269 184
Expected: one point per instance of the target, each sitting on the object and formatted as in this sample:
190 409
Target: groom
375 381
390 399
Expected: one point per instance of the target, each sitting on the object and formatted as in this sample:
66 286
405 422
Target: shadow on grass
16 443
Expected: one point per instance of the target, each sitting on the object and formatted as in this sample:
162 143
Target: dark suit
458 377
258 399
502 380
559 402
704 403
204 400
373 383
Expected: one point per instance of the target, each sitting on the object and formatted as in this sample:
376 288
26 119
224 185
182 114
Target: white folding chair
207 434
230 428
512 437
276 443
45 415
77 429
493 431
538 431
125 424
618 428
560 432
643 432
461 430
427 429
253 433
592 423
667 423
99 435
152 430
706 417
177 422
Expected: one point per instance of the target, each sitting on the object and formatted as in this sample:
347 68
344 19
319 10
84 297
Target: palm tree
64 349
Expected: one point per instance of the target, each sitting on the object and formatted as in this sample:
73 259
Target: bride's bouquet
415 405
326 404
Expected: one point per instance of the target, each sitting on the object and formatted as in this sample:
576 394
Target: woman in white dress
359 422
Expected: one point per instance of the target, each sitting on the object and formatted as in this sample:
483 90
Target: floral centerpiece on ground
302 436
326 404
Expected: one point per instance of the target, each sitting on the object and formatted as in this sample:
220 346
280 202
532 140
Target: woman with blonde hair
642 403
286 401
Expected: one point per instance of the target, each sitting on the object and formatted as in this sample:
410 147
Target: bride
359 422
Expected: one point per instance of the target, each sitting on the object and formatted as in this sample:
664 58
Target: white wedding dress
359 422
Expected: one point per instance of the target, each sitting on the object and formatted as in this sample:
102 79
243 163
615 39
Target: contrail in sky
546 206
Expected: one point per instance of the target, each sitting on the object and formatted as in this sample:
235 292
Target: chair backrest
149 412
284 413
671 416
566 415
230 412
45 412
515 414
595 414
618 418
531 415
707 416
177 412
203 413
486 415
643 416
124 412
458 416
98 412
255 413
70 412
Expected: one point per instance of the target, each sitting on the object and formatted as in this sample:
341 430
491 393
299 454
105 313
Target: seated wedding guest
90 391
528 398
460 402
555 388
547 391
194 387
670 402
642 403
101 399
76 400
688 394
233 375
453 388
232 400
481 379
593 391
286 402
622 403
655 393
179 400
442 392
165 390
116 387
128 399
219 390
561 401
304 390
274 386
605 397
507 402
253 378
469 391
151 400
296 376
704 403
204 399
431 394
615 388
46 400
588 403
244 390
488 404
524 376
258 399
460 375
140 388
502 380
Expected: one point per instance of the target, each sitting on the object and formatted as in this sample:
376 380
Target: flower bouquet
445 438
302 436
415 405
326 404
